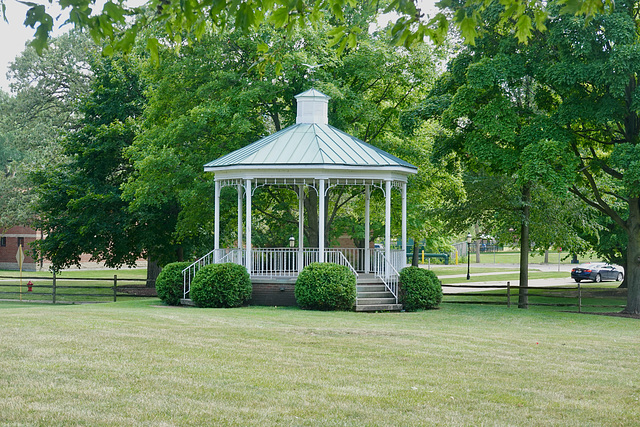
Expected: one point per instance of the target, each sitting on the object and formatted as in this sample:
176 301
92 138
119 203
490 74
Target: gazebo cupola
310 155
313 107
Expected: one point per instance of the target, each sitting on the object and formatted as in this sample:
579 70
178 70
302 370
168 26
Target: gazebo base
279 291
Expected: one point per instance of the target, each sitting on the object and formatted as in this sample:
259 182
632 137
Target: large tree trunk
311 211
153 270
625 266
523 296
476 230
414 258
633 258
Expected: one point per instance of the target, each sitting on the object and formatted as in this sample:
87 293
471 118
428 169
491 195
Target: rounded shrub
169 284
419 289
326 286
221 285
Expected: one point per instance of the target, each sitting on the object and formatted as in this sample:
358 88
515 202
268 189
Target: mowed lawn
140 363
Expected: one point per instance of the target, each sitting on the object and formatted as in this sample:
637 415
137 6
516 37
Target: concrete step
375 301
371 288
379 307
380 294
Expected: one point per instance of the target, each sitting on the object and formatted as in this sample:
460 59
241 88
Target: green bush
326 286
221 285
169 284
419 289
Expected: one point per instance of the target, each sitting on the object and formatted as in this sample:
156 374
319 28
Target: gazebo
309 156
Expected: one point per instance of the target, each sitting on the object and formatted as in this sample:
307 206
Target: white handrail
337 257
387 273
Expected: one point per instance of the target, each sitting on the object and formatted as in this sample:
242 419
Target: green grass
137 363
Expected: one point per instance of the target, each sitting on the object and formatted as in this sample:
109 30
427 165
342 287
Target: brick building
9 243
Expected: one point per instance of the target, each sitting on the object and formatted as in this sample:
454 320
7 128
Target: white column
300 226
321 221
239 187
216 221
387 225
404 223
239 216
247 189
367 230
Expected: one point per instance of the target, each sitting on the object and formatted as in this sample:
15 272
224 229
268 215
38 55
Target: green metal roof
310 144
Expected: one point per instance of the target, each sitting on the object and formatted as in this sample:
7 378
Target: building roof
311 144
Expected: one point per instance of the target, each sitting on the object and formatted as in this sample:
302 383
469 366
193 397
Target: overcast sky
14 35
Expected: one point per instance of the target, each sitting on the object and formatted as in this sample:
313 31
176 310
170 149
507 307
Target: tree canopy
47 89
560 114
119 24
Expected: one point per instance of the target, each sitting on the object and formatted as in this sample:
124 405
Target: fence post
508 294
115 287
579 298
53 289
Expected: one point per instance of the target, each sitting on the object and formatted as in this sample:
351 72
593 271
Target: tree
79 205
209 100
601 110
520 17
46 90
582 75
495 112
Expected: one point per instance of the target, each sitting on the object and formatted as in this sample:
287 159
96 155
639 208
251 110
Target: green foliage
420 289
170 283
79 201
209 100
46 90
326 286
221 286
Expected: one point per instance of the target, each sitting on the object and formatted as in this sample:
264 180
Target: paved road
506 269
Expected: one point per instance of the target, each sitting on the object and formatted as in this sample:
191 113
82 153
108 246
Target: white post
387 225
216 221
321 221
404 223
239 186
300 226
247 189
367 231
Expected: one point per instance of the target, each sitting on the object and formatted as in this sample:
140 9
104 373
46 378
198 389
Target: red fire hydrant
30 286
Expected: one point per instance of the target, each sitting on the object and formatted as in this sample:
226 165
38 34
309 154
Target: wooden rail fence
55 292
575 296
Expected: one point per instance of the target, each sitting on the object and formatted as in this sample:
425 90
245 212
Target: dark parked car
597 272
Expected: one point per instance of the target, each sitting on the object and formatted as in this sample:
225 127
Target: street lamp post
468 255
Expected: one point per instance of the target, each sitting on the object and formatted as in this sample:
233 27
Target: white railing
355 257
288 262
274 262
215 256
387 273
236 256
336 256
